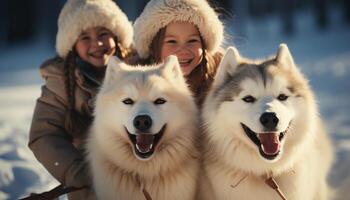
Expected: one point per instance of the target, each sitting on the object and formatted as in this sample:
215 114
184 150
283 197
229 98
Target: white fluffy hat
159 13
79 15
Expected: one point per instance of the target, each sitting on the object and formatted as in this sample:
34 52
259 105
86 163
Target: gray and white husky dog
262 127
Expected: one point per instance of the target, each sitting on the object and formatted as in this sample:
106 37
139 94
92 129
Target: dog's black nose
142 122
269 120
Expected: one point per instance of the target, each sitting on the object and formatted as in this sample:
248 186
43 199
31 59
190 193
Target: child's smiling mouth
98 54
185 62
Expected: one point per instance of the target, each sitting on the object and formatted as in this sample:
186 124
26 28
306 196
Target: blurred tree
46 20
132 8
240 10
321 13
3 23
223 7
286 10
21 20
347 10
260 8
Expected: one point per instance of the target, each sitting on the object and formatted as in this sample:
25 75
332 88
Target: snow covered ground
324 57
20 173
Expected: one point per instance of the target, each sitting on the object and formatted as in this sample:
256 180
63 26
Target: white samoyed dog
142 143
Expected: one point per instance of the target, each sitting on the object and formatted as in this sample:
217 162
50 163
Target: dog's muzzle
269 143
144 142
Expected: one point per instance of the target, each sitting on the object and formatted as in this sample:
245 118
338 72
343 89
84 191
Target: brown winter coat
54 144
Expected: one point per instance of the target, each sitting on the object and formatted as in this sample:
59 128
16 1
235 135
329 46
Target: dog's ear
284 57
171 68
228 65
114 68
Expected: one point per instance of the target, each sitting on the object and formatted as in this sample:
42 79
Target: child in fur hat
189 29
89 33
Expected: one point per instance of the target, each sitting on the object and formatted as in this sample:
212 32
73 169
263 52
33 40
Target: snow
20 173
323 55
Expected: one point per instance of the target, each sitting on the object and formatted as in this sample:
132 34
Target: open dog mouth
145 143
269 144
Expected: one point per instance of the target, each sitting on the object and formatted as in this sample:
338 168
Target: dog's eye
159 101
282 97
249 99
128 101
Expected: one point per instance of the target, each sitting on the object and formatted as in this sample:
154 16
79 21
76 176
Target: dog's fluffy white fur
122 167
243 147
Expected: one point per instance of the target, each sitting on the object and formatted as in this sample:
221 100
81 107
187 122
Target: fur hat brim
159 13
79 15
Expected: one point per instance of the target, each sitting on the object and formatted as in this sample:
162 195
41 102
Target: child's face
183 40
95 46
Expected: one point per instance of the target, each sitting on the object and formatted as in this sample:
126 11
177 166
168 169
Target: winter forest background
316 31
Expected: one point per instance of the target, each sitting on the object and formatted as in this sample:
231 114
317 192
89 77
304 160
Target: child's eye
102 34
170 41
84 38
193 40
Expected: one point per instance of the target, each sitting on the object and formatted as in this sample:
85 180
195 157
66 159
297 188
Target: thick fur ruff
79 15
119 170
238 156
159 13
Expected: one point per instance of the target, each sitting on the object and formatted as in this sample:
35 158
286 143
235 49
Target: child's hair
74 122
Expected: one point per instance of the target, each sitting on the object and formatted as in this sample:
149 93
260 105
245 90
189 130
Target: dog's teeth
143 150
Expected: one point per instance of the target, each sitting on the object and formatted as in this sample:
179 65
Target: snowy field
324 56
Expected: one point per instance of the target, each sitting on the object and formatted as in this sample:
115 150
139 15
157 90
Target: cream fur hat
159 13
79 15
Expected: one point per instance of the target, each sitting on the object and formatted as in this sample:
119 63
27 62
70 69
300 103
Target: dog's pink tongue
270 143
144 142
